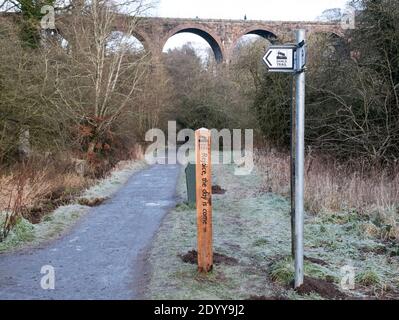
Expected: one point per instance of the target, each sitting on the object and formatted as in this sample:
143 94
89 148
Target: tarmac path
102 256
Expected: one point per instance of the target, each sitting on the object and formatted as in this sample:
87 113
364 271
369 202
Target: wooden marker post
204 199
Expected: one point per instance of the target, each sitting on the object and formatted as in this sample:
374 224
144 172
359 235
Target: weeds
341 193
13 211
35 188
368 278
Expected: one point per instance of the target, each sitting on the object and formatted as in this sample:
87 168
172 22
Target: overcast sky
299 10
254 9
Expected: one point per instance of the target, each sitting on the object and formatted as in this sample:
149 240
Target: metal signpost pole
292 59
292 167
299 158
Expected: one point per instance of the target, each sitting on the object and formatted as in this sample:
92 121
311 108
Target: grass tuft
368 278
282 271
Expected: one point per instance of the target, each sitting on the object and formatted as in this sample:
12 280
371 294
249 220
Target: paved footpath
102 256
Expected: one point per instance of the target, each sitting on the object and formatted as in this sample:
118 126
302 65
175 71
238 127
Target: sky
254 9
299 10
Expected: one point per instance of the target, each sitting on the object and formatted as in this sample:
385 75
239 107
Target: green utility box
190 181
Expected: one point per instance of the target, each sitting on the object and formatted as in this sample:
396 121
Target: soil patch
33 215
322 287
376 250
91 202
218 258
218 190
54 200
316 261
390 249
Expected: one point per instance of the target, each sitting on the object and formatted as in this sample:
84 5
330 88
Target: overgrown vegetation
71 106
81 92
352 95
205 94
338 191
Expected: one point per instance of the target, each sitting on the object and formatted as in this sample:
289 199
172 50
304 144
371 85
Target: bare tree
99 75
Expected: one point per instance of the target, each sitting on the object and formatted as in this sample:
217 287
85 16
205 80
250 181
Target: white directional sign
280 58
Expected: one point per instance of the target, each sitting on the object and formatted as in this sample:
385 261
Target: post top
203 131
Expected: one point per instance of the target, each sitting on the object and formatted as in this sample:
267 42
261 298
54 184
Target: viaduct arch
221 35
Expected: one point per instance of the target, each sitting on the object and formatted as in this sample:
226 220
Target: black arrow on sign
267 58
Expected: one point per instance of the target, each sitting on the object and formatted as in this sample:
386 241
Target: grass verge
252 226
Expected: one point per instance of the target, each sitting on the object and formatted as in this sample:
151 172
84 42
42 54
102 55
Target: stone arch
259 31
213 41
142 38
264 32
119 25
139 34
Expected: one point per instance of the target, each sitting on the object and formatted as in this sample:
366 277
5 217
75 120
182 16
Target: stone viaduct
222 35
